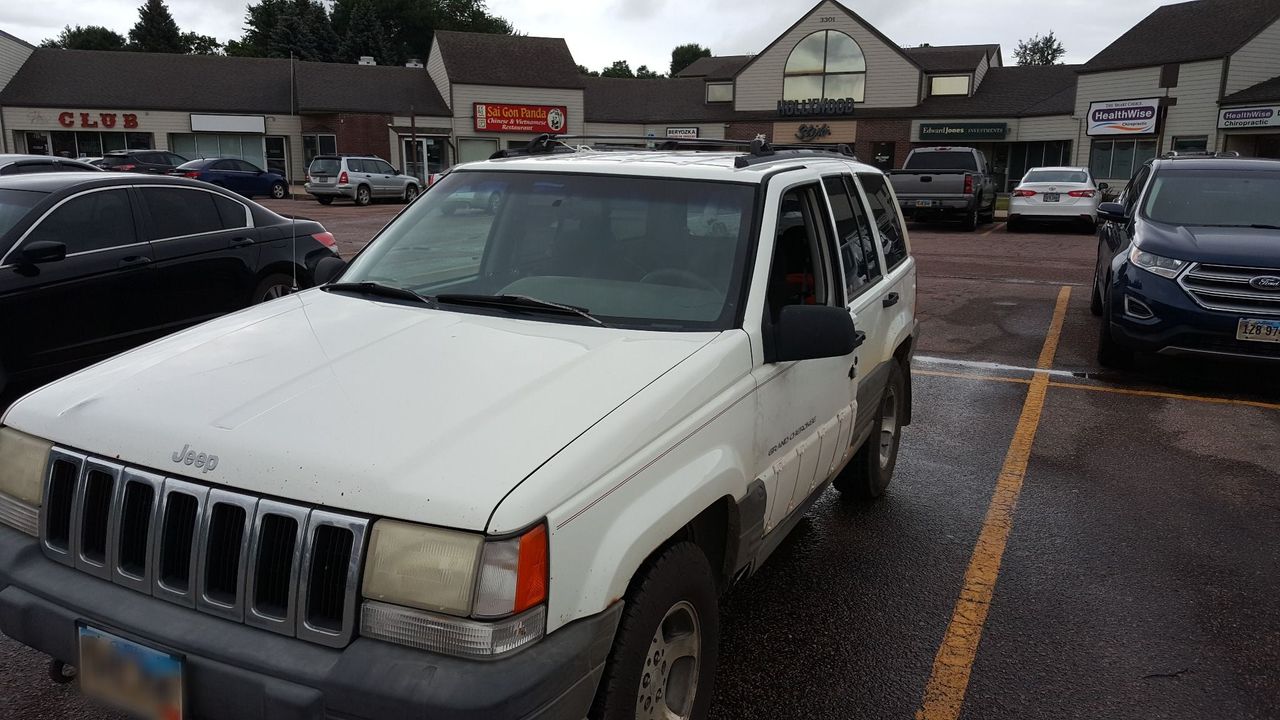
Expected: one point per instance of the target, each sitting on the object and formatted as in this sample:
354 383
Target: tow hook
60 672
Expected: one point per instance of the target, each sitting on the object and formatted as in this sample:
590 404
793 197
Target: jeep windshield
653 253
1215 198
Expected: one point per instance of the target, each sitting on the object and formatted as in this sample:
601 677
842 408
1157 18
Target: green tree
644 73
588 72
156 30
684 55
365 35
1038 50
260 22
408 26
302 30
619 69
197 44
89 37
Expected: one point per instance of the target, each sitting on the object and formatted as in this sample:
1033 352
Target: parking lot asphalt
1058 541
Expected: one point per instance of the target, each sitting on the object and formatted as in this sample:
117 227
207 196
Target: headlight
1162 266
422 583
22 463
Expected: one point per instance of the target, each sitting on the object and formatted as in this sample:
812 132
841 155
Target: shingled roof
660 100
1186 32
723 67
1267 91
951 58
512 60
1011 92
348 87
113 79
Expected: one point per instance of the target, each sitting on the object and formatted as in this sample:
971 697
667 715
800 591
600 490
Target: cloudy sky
644 31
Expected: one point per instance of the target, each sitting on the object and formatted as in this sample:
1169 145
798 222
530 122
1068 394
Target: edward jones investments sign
1124 117
1249 117
492 117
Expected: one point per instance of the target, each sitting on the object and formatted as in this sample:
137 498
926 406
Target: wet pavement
1143 554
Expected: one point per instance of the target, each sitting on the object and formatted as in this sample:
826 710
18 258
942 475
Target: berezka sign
497 117
106 121
1124 117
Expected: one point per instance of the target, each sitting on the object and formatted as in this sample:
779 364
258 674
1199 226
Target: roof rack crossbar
757 150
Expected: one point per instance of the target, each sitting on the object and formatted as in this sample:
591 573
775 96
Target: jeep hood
356 404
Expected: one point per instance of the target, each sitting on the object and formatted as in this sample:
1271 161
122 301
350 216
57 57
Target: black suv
1189 261
92 264
141 161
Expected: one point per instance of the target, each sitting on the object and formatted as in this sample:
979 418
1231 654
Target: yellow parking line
994 227
972 376
1166 395
949 679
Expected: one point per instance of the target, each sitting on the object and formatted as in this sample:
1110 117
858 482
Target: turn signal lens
513 575
1024 193
1083 193
22 463
342 178
191 174
325 239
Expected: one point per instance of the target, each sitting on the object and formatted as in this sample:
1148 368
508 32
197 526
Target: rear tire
363 196
1014 225
665 650
275 285
970 222
324 199
867 475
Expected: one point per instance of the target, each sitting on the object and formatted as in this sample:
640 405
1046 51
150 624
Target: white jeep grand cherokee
501 467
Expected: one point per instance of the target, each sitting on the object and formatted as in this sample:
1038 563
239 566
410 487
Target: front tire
867 475
411 193
279 191
1111 354
363 196
664 654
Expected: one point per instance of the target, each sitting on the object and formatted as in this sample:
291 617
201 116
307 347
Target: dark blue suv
1189 261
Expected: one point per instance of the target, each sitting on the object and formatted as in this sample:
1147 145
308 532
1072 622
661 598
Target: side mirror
810 332
327 269
42 251
1104 186
1113 212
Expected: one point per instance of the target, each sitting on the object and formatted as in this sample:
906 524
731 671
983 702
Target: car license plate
1259 330
132 677
1052 197
924 203
324 180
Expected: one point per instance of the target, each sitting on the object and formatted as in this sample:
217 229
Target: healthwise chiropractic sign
1249 117
496 117
1124 117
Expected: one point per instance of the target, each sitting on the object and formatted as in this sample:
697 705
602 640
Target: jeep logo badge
1265 282
187 456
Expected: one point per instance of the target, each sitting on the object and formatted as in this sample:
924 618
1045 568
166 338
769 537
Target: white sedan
1058 194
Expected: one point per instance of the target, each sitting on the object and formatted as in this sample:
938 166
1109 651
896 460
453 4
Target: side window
243 166
223 165
885 211
174 160
176 212
93 221
853 233
1133 190
796 277
358 166
28 167
231 213
385 168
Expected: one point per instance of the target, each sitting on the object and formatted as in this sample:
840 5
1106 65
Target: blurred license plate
1052 197
324 180
132 677
1259 330
924 203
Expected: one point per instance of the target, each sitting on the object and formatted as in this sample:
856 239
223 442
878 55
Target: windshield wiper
369 287
1259 226
517 302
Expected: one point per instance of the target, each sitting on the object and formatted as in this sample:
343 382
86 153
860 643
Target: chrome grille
1227 288
282 567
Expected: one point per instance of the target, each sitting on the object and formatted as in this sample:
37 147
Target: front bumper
241 673
1179 326
347 191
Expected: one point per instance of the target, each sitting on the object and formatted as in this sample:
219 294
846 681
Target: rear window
324 166
14 204
1056 176
114 160
1218 198
941 160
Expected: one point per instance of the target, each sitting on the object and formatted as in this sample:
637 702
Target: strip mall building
1201 75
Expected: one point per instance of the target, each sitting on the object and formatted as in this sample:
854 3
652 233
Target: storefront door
882 155
277 155
37 143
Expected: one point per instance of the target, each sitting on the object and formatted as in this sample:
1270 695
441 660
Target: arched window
826 65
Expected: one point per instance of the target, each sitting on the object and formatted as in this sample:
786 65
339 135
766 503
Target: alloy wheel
669 682
278 191
278 290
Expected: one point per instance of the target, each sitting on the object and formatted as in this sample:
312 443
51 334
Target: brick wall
357 133
749 131
896 131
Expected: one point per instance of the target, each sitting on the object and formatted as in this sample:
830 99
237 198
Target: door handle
859 337
133 261
241 241
890 300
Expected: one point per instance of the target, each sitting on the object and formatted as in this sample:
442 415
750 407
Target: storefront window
194 146
1118 159
93 144
826 64
318 144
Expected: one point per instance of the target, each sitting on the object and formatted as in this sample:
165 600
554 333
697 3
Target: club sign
106 121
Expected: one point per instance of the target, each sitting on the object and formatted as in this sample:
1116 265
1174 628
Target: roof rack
1199 154
757 151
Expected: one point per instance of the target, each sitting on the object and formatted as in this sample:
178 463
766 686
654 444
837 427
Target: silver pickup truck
940 183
